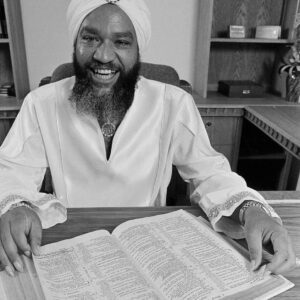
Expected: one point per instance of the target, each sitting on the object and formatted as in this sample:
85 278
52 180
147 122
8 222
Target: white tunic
161 128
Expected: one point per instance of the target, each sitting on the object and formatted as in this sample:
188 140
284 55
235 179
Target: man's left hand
260 230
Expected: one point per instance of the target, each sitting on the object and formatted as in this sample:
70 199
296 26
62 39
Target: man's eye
123 43
89 38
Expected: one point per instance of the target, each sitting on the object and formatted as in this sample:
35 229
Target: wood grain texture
216 100
243 59
249 13
83 220
221 130
17 47
242 62
205 9
290 10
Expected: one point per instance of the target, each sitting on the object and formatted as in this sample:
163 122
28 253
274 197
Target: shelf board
4 40
252 40
271 156
215 99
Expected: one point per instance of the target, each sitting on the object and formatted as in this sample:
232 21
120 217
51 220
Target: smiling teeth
104 72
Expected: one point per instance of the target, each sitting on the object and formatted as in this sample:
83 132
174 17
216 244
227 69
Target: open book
169 256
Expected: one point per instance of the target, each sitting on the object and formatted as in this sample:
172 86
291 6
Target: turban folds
136 10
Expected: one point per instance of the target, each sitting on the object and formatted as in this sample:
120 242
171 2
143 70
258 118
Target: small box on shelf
268 32
237 32
240 88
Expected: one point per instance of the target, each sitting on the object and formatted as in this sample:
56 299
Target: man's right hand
20 233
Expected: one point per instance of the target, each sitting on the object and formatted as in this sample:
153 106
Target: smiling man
110 138
106 63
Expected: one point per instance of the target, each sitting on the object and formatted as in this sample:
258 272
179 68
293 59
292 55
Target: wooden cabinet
223 133
13 64
221 58
223 126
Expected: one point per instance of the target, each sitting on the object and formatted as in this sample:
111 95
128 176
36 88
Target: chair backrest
157 72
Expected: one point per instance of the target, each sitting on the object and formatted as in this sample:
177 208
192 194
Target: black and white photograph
149 149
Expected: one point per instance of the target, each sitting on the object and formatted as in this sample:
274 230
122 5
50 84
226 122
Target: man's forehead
109 15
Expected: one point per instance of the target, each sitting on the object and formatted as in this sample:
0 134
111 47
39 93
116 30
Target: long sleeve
23 163
213 185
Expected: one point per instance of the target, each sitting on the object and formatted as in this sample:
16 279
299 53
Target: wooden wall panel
248 13
242 62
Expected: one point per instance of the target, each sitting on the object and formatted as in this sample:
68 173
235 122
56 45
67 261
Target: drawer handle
208 124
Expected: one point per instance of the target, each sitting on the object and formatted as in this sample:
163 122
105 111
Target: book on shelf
169 256
7 89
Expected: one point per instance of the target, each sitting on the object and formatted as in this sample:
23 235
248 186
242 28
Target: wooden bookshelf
13 61
252 40
219 57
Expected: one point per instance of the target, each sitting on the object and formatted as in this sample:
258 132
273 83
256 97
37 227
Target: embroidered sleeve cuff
227 225
10 201
49 209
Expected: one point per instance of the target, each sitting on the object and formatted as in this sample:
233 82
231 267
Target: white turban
136 10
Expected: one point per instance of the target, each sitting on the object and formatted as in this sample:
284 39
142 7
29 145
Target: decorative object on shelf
240 88
291 66
268 32
237 31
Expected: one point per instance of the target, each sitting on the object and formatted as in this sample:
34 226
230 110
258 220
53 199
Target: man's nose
104 53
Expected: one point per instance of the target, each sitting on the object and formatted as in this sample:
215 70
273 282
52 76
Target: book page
91 266
186 259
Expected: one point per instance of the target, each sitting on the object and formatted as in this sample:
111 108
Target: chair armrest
186 86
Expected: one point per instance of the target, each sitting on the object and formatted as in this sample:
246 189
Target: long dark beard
117 100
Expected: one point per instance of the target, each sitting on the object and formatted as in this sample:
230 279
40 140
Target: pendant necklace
108 129
110 118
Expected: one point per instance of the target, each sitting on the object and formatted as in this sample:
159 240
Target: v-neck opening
109 149
116 137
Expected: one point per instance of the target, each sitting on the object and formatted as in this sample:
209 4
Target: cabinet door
224 135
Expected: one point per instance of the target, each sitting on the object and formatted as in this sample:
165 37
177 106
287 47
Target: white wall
48 45
173 39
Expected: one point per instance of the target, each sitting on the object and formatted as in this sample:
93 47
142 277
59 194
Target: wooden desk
88 219
282 124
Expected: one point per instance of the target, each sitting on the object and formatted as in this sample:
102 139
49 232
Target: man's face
106 46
